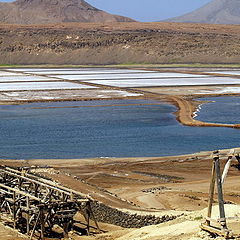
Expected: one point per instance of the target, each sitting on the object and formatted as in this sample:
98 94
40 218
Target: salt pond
226 72
23 86
168 82
128 76
220 110
89 129
25 79
76 70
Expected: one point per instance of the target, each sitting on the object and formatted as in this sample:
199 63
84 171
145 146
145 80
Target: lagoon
220 110
109 128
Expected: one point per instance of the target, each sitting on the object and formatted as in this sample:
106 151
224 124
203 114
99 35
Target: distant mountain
54 11
217 12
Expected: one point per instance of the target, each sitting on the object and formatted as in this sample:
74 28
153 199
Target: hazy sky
147 10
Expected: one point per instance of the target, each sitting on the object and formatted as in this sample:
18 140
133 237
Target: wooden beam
220 195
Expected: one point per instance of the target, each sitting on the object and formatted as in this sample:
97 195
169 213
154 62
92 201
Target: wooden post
28 217
94 219
42 223
35 225
88 217
65 229
14 210
220 195
211 192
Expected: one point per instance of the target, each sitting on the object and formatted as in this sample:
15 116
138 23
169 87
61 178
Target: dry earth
79 43
167 185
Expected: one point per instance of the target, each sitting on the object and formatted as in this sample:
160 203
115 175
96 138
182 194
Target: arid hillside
54 11
89 43
217 12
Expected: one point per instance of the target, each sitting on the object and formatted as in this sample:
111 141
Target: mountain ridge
214 12
54 11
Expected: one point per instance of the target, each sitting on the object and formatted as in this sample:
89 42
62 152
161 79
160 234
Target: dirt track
186 108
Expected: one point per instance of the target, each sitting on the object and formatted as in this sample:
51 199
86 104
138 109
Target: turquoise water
220 110
76 130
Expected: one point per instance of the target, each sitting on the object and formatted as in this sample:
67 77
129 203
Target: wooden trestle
219 226
34 205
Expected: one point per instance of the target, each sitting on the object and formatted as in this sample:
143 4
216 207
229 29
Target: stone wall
114 216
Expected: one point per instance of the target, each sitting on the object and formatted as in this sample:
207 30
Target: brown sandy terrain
119 43
9 234
146 185
185 114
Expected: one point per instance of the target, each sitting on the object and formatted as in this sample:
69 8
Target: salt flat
222 90
227 72
4 74
168 82
79 94
41 86
127 76
77 71
48 69
25 78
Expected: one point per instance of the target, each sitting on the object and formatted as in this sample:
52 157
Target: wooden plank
220 195
211 192
20 192
7 169
220 232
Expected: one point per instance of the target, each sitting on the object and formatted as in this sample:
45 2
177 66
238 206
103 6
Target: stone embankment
114 216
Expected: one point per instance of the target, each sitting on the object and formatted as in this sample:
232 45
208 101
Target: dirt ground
121 43
177 184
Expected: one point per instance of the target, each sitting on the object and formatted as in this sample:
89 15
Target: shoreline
186 110
187 107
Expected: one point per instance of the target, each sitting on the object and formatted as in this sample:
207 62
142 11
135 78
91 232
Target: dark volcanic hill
217 12
54 11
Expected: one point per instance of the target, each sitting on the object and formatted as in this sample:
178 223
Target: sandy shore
186 110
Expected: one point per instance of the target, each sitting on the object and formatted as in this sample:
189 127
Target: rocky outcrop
104 44
54 11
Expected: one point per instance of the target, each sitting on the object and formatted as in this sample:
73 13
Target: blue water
220 110
75 130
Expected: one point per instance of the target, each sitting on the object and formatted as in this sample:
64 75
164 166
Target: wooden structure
219 226
34 205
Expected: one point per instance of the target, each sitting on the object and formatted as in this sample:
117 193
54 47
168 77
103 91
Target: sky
146 10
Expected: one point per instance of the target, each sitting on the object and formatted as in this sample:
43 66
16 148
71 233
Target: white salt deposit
222 90
76 72
122 93
227 72
168 82
41 86
25 79
127 76
4 74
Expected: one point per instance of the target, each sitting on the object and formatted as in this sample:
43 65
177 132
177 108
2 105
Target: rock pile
114 216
